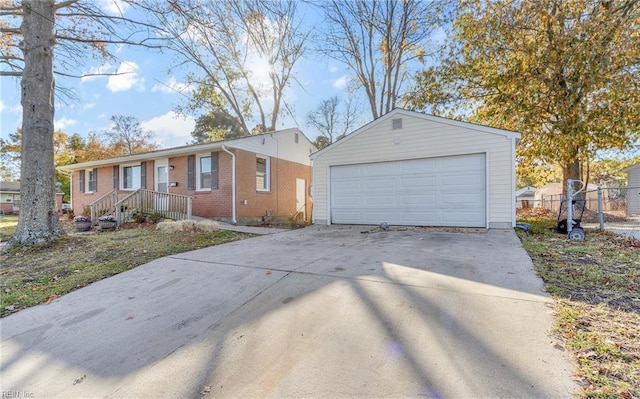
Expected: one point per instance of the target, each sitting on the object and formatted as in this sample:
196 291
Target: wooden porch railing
122 205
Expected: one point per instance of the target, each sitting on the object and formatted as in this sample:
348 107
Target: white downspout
233 184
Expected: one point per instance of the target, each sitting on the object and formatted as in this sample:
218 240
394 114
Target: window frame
216 171
267 173
123 180
88 180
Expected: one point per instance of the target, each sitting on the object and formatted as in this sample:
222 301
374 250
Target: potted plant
82 223
107 222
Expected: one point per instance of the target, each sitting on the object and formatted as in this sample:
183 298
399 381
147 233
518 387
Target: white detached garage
408 168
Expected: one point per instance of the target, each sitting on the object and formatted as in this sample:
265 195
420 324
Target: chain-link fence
615 209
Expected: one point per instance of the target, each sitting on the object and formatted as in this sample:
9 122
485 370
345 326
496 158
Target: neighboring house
242 180
10 198
409 168
525 197
633 193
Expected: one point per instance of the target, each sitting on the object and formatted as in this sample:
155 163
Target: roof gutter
233 184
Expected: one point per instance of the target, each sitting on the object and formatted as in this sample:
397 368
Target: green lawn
33 275
7 226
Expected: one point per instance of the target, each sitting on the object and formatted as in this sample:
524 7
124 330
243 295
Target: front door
162 186
301 198
162 179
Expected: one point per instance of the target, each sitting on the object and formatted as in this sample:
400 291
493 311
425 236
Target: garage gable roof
420 115
628 169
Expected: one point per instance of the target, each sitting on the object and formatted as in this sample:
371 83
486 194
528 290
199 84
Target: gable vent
396 123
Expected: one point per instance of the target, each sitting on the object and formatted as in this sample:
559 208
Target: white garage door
447 191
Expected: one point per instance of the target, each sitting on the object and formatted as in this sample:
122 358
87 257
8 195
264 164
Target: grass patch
8 225
596 286
32 275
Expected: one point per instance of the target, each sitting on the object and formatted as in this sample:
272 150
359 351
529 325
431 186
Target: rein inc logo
18 394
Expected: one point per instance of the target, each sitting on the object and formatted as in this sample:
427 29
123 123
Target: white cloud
333 68
117 7
14 109
340 83
88 106
170 129
99 70
172 86
63 123
126 78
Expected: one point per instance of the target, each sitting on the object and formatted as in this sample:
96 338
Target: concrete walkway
315 312
258 230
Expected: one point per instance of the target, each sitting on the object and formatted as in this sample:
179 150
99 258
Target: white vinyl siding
447 191
422 138
633 195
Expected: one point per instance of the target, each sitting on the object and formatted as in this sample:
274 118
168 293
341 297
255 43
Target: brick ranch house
10 198
248 180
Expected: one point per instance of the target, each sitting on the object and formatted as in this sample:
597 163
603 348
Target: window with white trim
263 166
207 172
91 180
204 177
131 177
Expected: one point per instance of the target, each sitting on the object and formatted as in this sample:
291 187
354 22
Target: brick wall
280 200
105 186
214 203
6 208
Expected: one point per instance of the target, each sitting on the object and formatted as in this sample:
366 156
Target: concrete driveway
317 312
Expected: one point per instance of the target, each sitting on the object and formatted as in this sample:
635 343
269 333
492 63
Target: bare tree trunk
38 221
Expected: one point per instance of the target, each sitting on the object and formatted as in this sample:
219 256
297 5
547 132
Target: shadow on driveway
318 312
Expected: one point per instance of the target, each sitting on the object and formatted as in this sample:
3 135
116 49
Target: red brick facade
251 203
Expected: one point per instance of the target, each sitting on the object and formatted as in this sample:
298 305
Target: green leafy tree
63 154
10 156
564 73
215 126
608 172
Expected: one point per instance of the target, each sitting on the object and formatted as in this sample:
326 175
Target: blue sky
150 94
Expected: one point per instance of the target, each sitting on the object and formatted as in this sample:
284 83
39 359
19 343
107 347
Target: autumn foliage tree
564 73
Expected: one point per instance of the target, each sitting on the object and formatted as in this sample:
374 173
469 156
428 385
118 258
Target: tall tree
215 126
331 120
73 26
564 73
244 53
10 156
91 149
127 137
382 42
